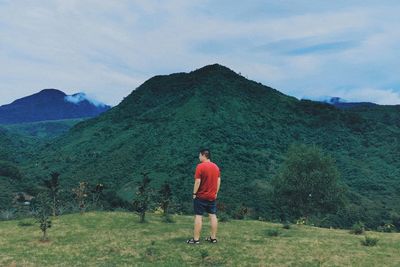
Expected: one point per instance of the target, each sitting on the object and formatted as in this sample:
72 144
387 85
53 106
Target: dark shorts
200 206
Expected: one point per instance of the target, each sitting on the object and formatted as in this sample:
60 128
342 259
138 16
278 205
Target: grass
118 239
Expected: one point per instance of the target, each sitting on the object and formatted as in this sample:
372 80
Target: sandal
209 239
192 241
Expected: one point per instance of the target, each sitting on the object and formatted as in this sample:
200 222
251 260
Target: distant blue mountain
343 104
50 104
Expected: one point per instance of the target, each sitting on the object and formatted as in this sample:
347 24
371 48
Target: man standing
206 186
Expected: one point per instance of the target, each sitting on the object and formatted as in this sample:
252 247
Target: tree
53 185
43 208
307 184
96 193
142 199
164 197
80 195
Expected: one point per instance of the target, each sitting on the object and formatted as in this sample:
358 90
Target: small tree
43 208
164 198
80 195
142 199
96 193
53 186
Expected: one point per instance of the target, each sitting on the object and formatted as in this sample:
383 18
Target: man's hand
194 196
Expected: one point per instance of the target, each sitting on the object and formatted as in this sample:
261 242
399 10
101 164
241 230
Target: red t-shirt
208 173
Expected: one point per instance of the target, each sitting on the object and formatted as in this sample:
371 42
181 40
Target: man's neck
207 160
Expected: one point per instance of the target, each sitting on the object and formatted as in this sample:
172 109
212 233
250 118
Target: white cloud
379 96
108 48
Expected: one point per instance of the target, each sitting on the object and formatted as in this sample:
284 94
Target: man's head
204 155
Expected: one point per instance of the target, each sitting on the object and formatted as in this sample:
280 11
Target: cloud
375 95
80 97
108 48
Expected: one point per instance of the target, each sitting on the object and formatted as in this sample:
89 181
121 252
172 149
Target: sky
304 48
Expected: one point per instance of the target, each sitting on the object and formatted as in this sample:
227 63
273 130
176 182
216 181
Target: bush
396 220
168 219
358 228
286 225
369 241
240 213
273 232
387 228
223 217
7 214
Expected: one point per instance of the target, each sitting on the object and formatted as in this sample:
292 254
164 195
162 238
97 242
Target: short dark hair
206 152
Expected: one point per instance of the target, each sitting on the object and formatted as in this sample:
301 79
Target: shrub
358 228
223 217
301 221
369 241
81 195
273 232
7 214
240 213
25 223
43 209
387 228
142 200
286 225
168 219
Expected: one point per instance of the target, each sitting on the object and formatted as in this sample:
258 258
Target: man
206 186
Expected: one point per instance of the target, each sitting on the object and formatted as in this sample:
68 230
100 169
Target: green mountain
161 125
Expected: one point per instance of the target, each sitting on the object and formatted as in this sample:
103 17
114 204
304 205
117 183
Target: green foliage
308 183
96 192
8 169
80 193
369 241
387 228
273 232
43 208
7 193
168 218
53 185
43 129
223 217
141 203
164 197
358 228
286 225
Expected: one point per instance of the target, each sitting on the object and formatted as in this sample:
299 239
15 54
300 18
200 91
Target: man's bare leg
198 220
214 225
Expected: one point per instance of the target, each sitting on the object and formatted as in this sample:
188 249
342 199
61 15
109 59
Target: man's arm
196 187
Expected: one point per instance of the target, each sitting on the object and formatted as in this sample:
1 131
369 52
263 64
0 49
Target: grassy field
118 239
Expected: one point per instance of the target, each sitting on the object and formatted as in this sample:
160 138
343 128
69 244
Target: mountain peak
50 104
213 68
51 91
